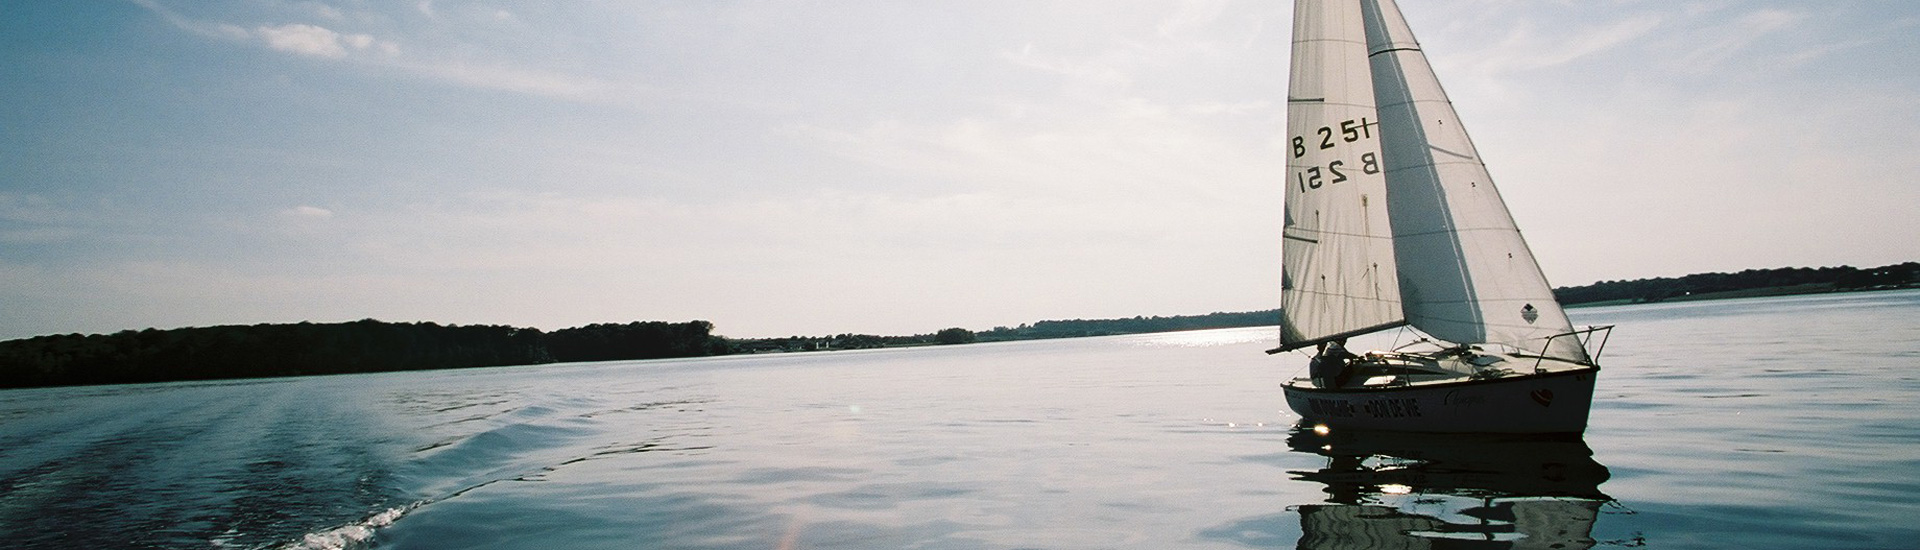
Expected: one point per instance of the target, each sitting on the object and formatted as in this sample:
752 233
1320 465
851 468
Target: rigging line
1463 161
1419 101
1531 328
1390 50
1454 230
1340 295
1507 301
1437 148
1333 40
1324 234
1323 101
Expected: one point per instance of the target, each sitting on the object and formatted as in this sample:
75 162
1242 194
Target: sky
798 168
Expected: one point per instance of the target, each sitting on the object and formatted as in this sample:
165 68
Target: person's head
1342 342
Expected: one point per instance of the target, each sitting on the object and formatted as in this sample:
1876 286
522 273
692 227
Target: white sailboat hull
1555 402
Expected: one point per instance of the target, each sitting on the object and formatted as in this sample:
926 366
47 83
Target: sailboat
1392 222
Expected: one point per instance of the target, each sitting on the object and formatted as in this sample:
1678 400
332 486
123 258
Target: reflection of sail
1429 491
1504 523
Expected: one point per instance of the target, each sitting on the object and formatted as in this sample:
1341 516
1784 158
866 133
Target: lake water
1762 423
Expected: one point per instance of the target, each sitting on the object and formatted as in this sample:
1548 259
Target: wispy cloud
305 212
1525 48
33 219
519 80
1902 29
1192 14
202 28
295 38
1717 44
1087 70
311 40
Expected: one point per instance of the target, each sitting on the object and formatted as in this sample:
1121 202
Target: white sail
1337 267
1465 274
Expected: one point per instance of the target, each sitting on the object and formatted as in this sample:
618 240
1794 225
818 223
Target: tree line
953 335
264 350
1075 328
1784 280
245 351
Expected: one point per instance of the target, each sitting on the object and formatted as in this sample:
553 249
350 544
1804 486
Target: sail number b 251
1350 131
1313 177
1333 172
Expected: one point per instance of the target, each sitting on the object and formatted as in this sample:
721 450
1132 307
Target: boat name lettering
1393 408
1377 408
1454 399
1330 407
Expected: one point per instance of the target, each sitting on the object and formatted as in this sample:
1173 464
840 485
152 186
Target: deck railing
1585 337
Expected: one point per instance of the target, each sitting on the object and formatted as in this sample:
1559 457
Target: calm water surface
1766 423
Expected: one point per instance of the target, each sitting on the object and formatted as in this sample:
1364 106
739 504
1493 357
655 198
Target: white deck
1395 369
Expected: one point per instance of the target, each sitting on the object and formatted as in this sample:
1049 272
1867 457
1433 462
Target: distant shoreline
274 350
1785 281
1764 292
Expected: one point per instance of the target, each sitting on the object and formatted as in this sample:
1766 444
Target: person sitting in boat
1329 366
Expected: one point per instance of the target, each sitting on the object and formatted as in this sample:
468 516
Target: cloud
315 41
1113 150
304 40
1524 49
1722 42
304 212
519 80
1191 15
202 28
325 11
295 38
32 219
1099 72
24 208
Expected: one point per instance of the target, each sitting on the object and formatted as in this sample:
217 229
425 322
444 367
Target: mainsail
1462 272
1337 270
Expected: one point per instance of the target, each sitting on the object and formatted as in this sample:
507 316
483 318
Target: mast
1337 270
1465 275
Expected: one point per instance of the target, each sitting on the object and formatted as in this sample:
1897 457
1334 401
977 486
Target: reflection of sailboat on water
1450 491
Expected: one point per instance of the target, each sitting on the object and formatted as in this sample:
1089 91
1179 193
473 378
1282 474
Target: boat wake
353 535
516 443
